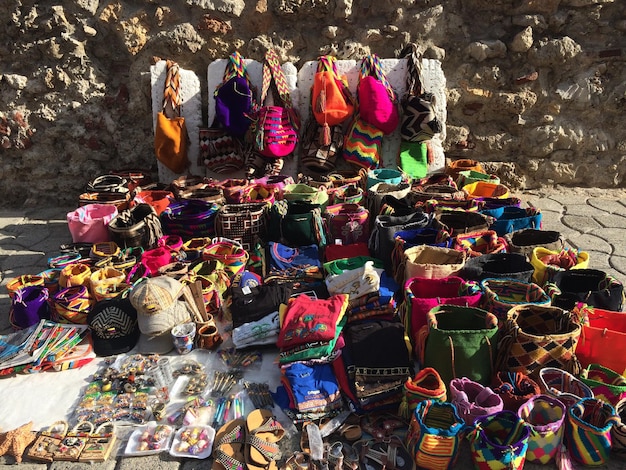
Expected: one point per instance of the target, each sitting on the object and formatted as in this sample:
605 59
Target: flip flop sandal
228 446
263 433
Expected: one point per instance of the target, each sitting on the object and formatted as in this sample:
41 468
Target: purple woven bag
28 306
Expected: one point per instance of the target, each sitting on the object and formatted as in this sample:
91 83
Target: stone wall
536 88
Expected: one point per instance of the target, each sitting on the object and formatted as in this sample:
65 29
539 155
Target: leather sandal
382 426
388 454
228 446
263 434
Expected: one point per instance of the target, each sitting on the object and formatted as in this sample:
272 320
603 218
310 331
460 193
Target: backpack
235 97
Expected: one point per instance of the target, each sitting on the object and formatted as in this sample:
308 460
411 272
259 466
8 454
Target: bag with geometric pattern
538 336
242 222
499 441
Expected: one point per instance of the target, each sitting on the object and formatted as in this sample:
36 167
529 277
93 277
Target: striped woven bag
435 435
71 305
500 295
588 433
618 431
363 144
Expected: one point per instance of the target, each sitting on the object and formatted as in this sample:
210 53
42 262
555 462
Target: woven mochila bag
545 416
499 441
435 435
588 431
537 336
500 295
459 342
618 431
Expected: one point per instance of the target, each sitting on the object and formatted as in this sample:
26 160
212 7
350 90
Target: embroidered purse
348 223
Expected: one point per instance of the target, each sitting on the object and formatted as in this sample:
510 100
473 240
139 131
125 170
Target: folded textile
263 331
311 388
253 303
305 319
333 252
323 351
283 257
355 282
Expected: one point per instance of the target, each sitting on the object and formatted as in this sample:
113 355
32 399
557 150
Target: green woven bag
459 342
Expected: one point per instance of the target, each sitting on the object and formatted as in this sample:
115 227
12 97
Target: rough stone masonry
536 88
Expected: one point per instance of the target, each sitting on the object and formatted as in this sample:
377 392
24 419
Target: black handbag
591 286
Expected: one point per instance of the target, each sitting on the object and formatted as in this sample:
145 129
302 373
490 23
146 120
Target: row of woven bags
452 264
257 132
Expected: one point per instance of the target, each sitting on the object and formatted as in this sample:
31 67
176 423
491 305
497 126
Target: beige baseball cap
159 309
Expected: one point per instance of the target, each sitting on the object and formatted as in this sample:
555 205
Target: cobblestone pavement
592 220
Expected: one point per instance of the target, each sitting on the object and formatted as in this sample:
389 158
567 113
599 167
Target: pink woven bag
423 294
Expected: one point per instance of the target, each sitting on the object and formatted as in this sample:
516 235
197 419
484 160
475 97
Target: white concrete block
299 82
395 71
191 110
215 74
